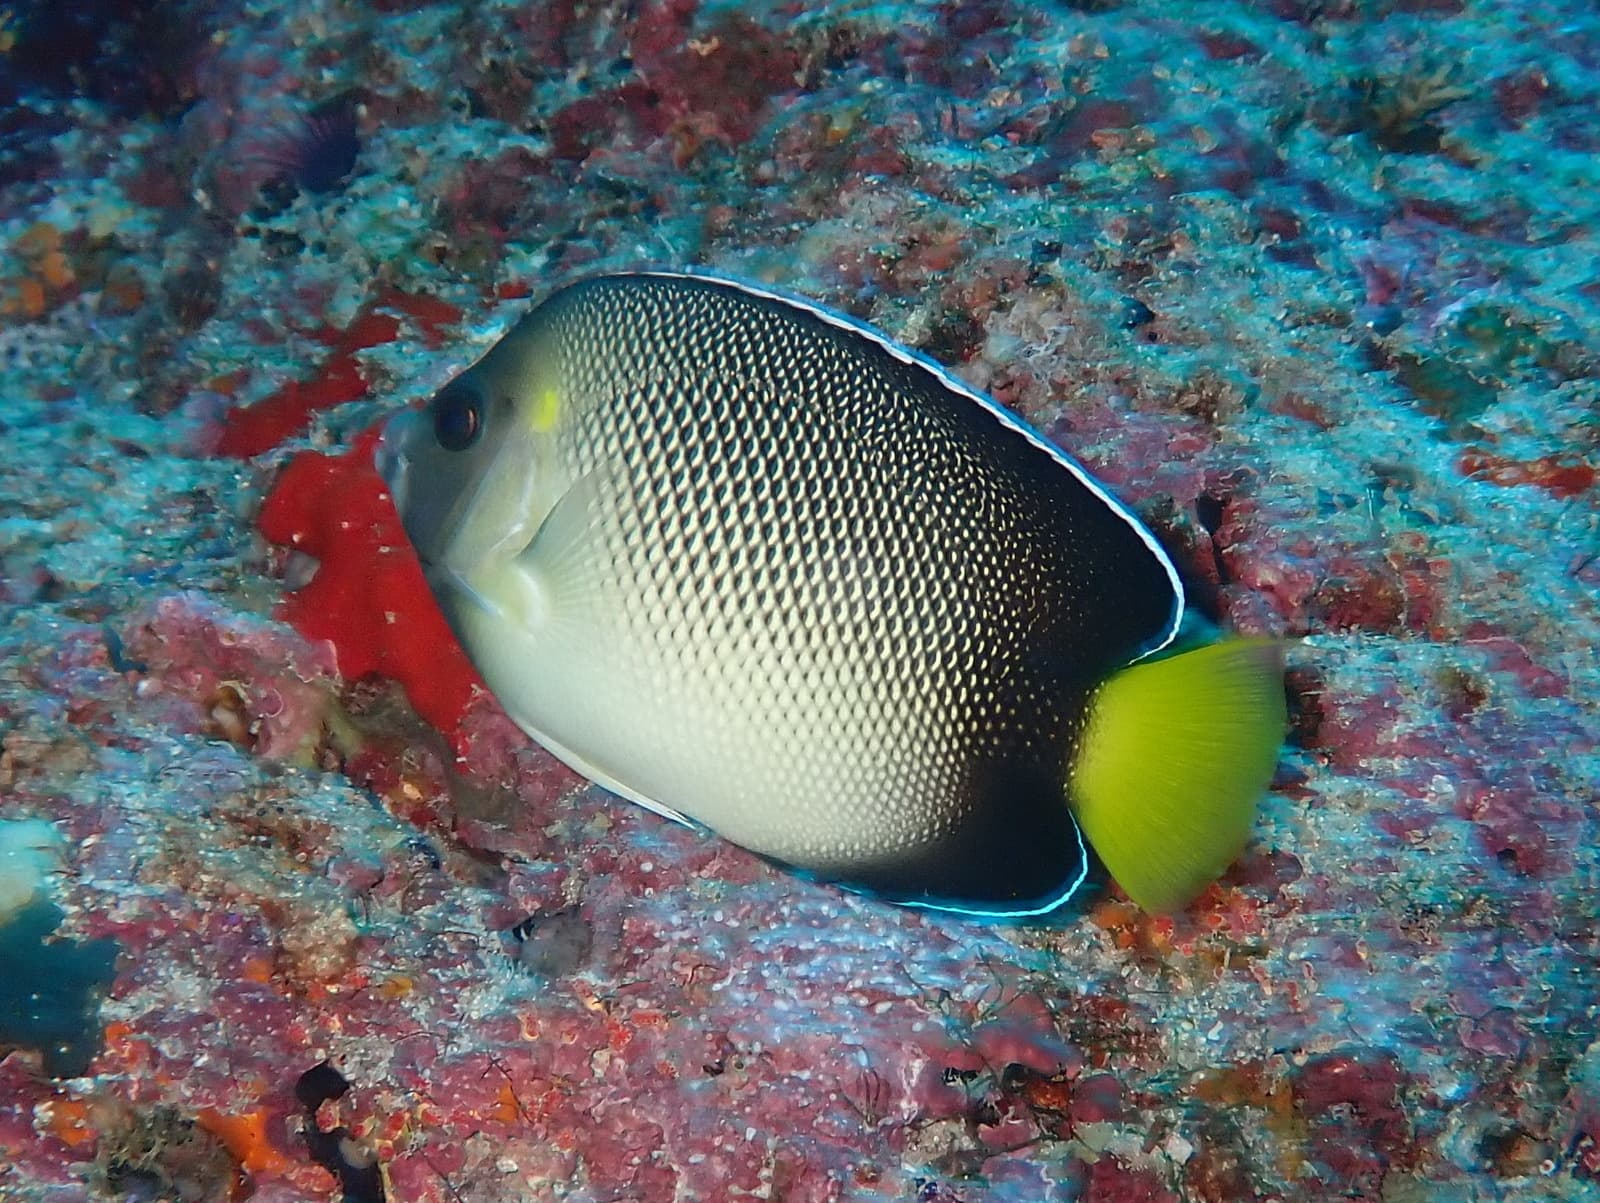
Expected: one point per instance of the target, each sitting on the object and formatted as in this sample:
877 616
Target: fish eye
457 411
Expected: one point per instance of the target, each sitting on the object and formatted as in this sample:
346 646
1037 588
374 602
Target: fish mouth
401 458
392 462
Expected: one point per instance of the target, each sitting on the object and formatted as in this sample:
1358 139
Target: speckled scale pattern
855 566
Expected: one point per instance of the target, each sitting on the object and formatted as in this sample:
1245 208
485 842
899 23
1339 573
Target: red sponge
340 378
368 597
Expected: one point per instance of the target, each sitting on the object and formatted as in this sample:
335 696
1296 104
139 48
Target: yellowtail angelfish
751 564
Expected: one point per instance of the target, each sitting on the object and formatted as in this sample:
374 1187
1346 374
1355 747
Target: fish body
752 565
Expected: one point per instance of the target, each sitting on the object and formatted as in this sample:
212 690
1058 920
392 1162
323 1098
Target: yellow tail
1174 756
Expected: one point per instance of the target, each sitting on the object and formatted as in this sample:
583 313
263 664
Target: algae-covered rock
1474 350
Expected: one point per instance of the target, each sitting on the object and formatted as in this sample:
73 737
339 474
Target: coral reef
1310 282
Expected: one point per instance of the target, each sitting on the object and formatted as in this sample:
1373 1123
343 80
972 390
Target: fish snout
393 455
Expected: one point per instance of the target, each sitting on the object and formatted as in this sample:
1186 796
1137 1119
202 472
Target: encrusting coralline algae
1311 285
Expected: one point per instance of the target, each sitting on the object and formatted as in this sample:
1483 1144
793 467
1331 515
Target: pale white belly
795 744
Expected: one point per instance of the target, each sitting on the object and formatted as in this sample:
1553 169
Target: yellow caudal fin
1174 756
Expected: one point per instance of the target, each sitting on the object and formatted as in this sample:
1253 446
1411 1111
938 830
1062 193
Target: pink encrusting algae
1310 284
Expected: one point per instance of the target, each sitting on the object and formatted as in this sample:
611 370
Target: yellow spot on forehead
546 409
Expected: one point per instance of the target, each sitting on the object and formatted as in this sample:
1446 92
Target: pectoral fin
560 572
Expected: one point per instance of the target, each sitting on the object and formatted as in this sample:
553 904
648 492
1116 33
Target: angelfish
751 564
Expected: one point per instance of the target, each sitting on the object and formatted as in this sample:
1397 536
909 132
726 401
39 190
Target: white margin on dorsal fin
947 378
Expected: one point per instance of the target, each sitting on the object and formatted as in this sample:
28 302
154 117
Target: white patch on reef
30 850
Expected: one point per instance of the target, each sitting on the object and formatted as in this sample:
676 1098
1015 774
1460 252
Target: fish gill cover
1310 284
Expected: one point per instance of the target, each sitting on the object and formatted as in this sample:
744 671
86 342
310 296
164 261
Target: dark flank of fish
751 564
